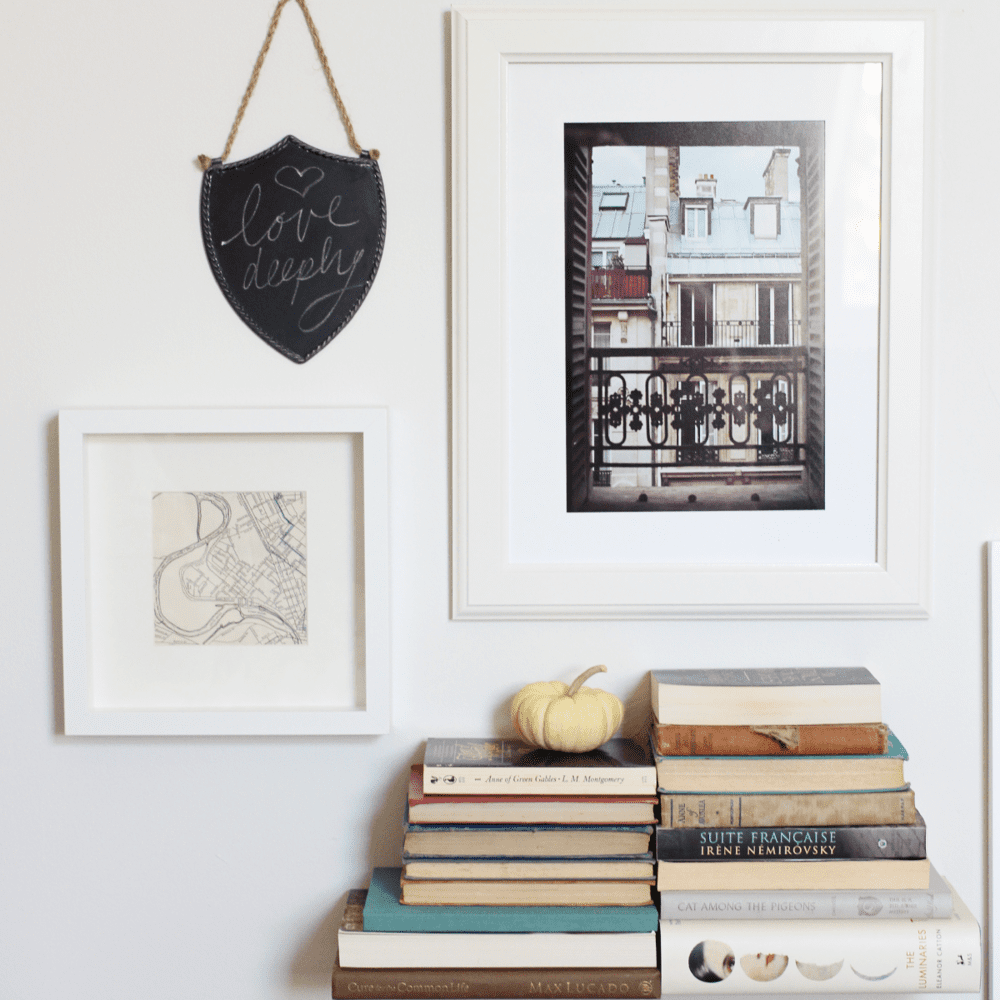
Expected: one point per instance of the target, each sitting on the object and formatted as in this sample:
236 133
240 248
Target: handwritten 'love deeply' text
276 268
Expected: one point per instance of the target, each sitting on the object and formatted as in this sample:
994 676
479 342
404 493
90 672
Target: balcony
618 283
665 411
733 334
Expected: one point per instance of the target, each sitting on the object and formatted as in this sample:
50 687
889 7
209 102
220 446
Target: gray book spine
915 904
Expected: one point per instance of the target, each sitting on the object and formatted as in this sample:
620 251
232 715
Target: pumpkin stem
578 683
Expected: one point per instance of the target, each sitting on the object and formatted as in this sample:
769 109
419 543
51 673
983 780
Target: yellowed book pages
528 870
521 893
525 843
836 874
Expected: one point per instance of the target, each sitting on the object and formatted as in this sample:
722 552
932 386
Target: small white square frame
116 680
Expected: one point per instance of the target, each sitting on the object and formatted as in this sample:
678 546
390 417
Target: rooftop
732 248
619 211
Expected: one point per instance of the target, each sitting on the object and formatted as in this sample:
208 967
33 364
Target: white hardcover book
766 696
361 949
772 957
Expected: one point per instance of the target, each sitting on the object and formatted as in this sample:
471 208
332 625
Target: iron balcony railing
732 334
617 283
661 408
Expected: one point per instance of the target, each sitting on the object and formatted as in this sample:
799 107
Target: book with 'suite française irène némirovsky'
765 843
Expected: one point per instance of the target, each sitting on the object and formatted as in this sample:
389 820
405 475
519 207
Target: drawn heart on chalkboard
295 180
294 236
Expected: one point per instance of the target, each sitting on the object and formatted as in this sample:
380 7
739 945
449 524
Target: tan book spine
564 892
383 984
790 809
751 741
793 874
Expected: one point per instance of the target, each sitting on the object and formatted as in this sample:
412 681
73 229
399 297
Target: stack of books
524 872
790 855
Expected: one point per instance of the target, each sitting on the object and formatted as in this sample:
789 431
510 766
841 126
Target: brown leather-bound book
382 984
758 741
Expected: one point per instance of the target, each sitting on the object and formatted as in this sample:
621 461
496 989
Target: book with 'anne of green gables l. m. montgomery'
509 767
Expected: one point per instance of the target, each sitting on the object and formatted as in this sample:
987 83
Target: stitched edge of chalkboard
206 230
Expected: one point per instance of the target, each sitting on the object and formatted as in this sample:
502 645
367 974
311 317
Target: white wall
213 867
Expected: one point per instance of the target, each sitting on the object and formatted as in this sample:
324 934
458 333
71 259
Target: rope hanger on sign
206 161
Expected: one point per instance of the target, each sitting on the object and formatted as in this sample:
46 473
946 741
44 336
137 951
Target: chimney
776 175
704 186
673 165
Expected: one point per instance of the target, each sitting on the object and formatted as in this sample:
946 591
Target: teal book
821 773
384 912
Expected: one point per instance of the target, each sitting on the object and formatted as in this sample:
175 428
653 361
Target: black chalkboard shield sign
294 236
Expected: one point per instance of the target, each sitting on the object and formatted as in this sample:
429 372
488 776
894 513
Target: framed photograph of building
224 572
678 272
697 386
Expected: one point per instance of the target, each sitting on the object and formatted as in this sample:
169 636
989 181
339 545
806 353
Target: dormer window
765 217
696 218
696 222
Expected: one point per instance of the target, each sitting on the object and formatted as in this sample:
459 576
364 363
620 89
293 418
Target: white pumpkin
567 717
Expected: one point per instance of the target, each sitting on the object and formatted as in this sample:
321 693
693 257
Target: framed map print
224 571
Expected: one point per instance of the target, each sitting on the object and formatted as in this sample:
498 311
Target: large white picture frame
517 552
303 493
992 952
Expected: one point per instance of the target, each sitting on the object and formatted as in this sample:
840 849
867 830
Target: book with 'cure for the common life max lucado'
510 767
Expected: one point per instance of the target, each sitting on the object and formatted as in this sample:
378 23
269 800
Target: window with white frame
602 334
604 256
696 221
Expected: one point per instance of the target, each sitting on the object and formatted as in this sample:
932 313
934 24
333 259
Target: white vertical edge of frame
991 970
378 653
73 564
459 311
80 717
